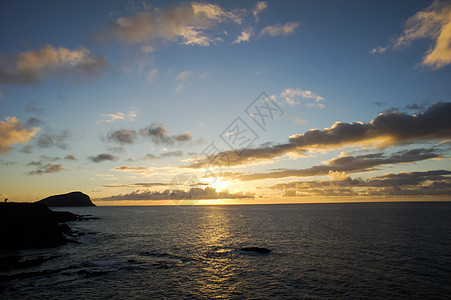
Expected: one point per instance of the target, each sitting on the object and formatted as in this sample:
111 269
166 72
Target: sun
218 184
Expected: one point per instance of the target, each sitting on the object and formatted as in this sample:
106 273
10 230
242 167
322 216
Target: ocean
318 251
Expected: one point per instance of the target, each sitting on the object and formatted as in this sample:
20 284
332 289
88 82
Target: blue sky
120 98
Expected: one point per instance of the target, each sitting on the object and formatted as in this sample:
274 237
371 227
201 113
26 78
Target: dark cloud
70 157
248 156
207 193
50 139
349 164
388 129
184 137
150 156
33 122
102 157
49 62
45 169
172 153
27 149
159 135
434 182
137 169
123 136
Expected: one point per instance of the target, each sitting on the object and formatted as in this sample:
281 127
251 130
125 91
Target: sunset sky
137 102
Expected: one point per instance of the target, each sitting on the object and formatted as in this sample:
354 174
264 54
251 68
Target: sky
226 102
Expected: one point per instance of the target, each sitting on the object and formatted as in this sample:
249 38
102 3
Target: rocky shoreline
33 225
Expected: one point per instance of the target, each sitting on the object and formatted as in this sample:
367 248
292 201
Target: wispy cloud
186 23
50 62
245 36
378 50
280 30
152 75
259 7
12 131
292 97
47 169
184 74
433 23
109 118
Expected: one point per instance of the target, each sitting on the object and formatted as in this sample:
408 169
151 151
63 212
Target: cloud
278 29
433 23
195 193
150 156
50 139
378 50
292 95
259 7
137 169
244 36
32 107
139 184
180 87
102 157
335 175
46 164
172 153
247 157
186 23
13 132
338 167
159 135
123 136
147 49
33 123
387 129
46 169
298 120
184 74
432 183
109 118
49 62
152 75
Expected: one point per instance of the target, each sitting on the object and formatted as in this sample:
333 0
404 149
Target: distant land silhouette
73 199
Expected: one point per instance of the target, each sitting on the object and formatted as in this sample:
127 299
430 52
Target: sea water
363 250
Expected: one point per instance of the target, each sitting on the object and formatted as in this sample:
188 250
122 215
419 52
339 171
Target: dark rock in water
255 249
33 225
74 199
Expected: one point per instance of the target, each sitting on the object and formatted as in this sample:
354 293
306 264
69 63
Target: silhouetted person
6 200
